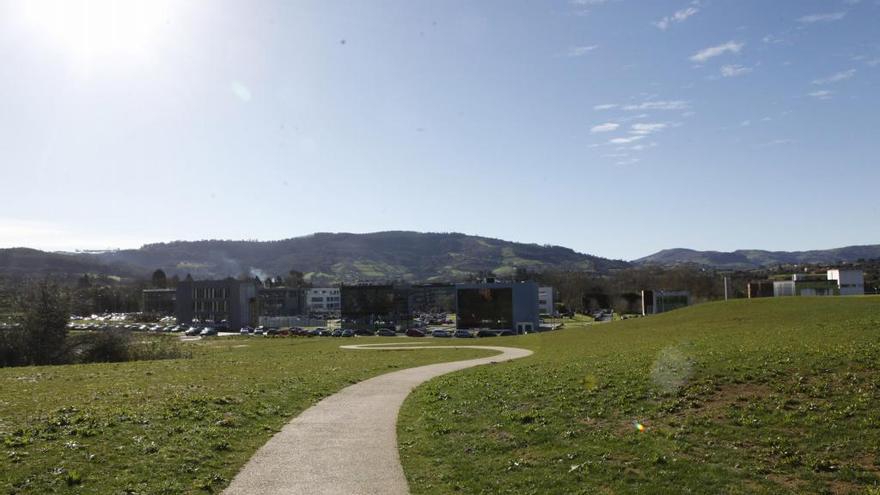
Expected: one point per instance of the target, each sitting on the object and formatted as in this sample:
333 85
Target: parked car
415 332
347 333
259 330
441 334
365 333
336 333
247 330
487 333
386 332
192 331
208 331
270 332
463 334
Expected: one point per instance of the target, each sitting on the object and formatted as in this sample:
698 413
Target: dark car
208 331
192 331
347 333
415 332
441 334
364 333
386 332
487 333
271 332
336 333
463 334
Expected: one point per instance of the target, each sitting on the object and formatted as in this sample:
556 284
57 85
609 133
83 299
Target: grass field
760 396
170 427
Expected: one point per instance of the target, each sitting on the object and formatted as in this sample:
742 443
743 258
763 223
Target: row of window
210 292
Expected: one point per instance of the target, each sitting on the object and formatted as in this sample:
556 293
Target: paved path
347 443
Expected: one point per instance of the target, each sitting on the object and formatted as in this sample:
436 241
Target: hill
323 257
745 259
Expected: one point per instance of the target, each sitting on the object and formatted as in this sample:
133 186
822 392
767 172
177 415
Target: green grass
760 396
175 426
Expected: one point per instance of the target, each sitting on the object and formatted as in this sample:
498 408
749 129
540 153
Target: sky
613 127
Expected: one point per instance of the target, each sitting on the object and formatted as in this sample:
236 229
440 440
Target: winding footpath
347 443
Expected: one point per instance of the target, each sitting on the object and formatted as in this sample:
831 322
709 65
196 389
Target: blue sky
614 127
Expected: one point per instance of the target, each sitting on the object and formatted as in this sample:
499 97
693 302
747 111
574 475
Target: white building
323 300
850 282
546 301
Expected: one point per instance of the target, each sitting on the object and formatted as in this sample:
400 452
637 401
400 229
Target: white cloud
714 51
606 127
778 142
626 140
580 51
678 16
629 161
647 128
840 76
588 2
821 95
874 62
734 70
605 106
814 18
659 105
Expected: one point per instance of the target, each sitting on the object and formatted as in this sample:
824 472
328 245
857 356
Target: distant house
660 301
832 283
849 282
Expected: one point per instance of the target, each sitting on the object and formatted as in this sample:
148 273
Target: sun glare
93 32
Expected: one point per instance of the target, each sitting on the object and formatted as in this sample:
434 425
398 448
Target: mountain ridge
758 258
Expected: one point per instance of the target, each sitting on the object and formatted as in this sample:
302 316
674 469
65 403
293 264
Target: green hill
748 396
345 257
745 259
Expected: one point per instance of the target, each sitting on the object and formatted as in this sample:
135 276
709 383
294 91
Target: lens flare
638 426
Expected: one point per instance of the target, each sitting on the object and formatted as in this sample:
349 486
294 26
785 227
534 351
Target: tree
44 314
160 281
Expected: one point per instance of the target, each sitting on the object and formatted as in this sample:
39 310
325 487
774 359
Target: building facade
546 301
367 304
323 300
215 301
158 301
498 306
281 301
849 282
660 301
432 298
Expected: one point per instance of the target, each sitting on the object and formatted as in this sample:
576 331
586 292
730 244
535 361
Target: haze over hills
744 259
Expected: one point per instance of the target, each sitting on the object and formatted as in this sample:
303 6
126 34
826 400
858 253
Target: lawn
170 427
747 396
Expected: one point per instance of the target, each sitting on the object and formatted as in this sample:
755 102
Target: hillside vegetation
349 257
749 396
746 259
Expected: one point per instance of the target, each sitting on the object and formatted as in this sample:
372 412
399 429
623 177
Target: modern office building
323 300
432 298
660 301
498 306
281 301
806 284
158 301
227 300
546 301
849 282
367 304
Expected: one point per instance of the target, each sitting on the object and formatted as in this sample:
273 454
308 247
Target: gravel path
347 443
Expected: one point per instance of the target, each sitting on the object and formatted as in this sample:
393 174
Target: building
546 301
498 306
849 282
227 300
760 288
323 300
805 284
367 304
660 301
158 301
281 301
432 298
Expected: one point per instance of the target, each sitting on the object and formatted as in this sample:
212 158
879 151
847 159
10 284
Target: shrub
12 352
102 347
